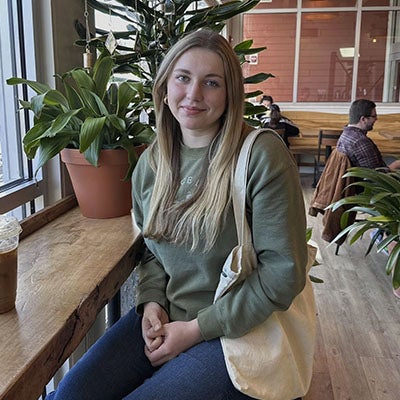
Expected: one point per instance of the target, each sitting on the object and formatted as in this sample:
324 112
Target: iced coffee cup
9 238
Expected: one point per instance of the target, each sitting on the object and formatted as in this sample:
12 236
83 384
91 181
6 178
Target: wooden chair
327 140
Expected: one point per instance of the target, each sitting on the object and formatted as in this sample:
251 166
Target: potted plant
96 116
378 199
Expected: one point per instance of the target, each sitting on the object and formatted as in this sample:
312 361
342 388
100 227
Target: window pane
270 4
329 3
11 159
278 58
370 3
374 48
325 70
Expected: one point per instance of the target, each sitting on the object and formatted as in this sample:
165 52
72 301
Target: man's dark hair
360 108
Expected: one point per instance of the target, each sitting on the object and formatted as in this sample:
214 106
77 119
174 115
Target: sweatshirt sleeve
277 219
152 279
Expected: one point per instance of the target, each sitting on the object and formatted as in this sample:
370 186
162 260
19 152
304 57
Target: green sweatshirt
184 282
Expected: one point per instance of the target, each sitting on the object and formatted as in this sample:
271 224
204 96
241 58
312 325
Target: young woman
265 101
169 347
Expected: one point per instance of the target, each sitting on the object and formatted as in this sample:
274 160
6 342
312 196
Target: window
18 189
327 51
324 74
280 40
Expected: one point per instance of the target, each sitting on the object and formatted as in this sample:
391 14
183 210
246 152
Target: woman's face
197 95
267 103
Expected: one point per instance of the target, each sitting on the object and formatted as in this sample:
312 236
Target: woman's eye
182 78
212 83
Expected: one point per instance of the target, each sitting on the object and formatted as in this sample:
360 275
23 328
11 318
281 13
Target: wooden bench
384 134
312 121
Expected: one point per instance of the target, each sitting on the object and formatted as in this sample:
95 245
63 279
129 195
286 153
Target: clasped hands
163 339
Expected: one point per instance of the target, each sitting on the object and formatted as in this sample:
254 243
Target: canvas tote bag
273 361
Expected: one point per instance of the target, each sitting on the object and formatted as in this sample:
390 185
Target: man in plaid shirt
355 143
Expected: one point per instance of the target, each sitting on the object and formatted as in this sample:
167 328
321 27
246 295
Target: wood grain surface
68 270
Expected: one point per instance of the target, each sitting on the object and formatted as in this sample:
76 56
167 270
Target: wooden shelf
69 268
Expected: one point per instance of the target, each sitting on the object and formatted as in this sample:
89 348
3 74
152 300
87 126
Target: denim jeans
116 368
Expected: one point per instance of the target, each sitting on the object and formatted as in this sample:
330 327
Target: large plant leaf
50 148
90 130
92 153
39 88
257 78
32 138
386 180
60 123
93 103
394 259
127 93
82 80
101 75
118 123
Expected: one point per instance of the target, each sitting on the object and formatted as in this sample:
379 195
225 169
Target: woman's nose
195 91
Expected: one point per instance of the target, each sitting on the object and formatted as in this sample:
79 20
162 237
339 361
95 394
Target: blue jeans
116 368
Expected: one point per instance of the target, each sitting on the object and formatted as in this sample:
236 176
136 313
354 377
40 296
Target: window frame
18 195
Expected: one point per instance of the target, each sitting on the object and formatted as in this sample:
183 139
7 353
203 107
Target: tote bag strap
239 187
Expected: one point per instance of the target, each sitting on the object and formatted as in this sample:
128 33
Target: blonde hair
200 218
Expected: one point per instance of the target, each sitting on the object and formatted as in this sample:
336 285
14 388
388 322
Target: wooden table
390 135
68 270
385 145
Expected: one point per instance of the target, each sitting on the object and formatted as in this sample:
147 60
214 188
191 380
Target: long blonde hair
200 218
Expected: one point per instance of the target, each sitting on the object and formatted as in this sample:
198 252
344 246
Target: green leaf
90 130
83 80
31 140
93 102
39 88
118 123
101 75
255 93
73 97
49 148
308 234
127 92
92 153
60 123
257 78
254 50
245 45
394 259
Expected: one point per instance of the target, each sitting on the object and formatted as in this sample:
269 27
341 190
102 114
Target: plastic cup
9 239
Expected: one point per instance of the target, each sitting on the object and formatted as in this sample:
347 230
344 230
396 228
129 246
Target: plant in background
379 199
152 27
95 112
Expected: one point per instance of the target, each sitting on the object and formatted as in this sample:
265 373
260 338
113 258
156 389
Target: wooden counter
68 270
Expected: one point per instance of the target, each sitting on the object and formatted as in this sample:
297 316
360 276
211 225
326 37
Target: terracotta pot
101 191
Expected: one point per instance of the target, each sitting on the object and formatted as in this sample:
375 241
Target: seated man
355 143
